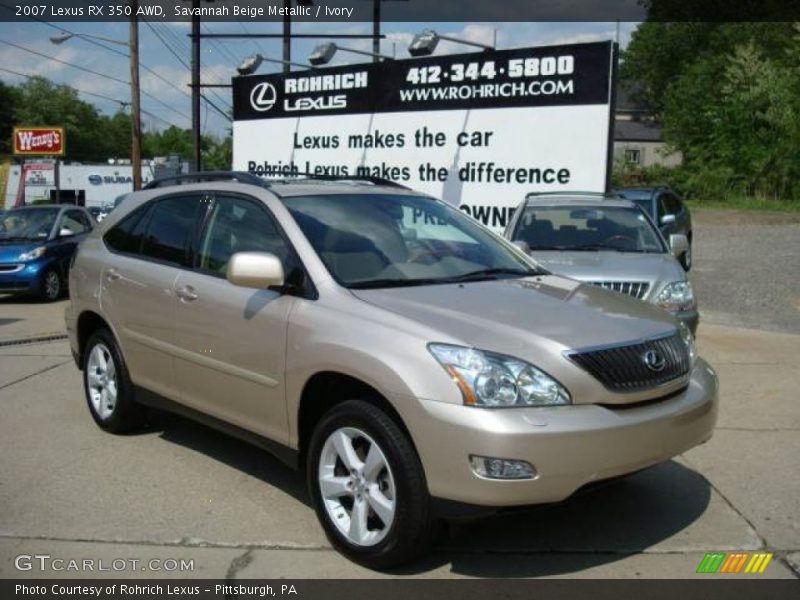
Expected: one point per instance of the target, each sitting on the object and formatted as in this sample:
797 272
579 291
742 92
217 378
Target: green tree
9 99
728 97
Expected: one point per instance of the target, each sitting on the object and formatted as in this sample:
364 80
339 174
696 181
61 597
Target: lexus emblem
654 361
263 97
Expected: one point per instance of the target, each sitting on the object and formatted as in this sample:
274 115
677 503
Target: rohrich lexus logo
263 97
654 361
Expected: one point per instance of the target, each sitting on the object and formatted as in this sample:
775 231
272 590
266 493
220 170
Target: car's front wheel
686 259
50 288
108 388
368 486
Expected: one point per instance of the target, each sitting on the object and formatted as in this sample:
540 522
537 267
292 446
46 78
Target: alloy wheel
357 486
52 285
102 381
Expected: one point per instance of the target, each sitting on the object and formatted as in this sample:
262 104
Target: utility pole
196 158
287 37
136 115
376 30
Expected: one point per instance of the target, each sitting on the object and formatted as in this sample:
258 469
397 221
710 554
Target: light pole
323 54
136 116
251 64
136 112
425 42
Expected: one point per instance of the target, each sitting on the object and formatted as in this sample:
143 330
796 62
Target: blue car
36 246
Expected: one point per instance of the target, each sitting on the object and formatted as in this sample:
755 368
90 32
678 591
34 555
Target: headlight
33 254
494 380
676 296
691 345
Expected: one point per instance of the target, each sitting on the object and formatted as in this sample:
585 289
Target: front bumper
569 446
21 278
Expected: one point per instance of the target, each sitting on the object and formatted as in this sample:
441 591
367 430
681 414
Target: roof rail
252 179
297 177
575 193
199 177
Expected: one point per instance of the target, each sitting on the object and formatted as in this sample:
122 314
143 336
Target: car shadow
228 450
599 526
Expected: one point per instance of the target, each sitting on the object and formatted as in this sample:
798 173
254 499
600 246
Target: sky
164 57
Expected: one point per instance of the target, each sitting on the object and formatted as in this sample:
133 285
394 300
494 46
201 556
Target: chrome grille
637 289
623 368
11 268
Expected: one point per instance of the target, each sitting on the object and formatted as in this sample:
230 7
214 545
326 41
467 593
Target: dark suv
668 211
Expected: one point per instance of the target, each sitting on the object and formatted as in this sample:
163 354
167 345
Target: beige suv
409 360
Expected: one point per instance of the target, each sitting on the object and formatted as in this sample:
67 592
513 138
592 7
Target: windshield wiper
596 247
389 283
490 273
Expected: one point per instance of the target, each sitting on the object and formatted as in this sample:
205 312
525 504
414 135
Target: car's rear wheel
50 286
108 388
368 486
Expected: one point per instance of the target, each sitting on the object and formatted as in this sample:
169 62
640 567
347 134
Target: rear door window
170 229
126 236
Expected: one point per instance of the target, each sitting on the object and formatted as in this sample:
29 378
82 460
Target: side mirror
667 219
259 270
679 244
522 246
65 232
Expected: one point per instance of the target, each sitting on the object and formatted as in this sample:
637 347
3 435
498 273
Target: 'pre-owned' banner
479 130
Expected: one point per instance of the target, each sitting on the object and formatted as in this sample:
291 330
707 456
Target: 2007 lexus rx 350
383 341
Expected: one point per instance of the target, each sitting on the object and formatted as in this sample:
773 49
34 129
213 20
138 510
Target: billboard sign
478 130
39 141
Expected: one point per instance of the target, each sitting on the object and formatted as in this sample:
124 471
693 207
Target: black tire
686 259
127 414
51 286
413 528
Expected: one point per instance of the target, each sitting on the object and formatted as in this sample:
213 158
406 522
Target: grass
742 203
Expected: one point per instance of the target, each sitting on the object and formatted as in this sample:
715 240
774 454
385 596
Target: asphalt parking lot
180 491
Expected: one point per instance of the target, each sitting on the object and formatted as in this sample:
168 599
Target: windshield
621 229
390 241
27 224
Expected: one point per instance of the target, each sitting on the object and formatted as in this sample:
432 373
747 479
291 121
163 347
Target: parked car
100 212
36 246
668 211
609 242
415 364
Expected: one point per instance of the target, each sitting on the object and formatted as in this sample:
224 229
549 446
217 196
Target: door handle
112 275
186 293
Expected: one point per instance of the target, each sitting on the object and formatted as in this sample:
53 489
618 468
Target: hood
513 315
10 251
656 269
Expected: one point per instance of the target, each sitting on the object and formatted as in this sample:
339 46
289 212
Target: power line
90 71
122 103
169 47
215 107
108 48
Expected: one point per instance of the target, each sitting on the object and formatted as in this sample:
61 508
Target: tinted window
76 221
169 229
673 204
238 225
662 207
587 229
126 236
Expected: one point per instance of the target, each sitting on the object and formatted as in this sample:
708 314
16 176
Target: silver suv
409 360
609 242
